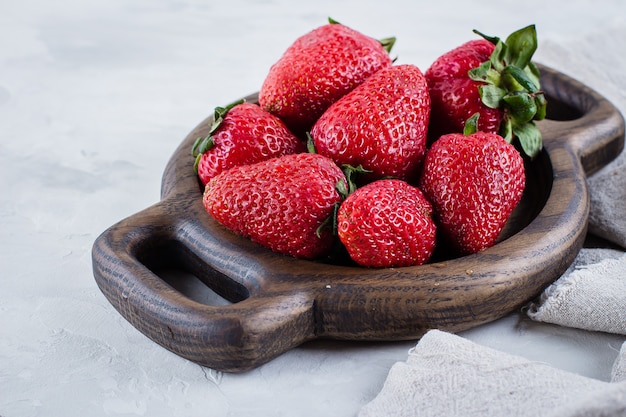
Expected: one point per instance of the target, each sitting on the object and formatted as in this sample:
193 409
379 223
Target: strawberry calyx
344 188
329 223
203 144
351 174
388 43
471 125
511 82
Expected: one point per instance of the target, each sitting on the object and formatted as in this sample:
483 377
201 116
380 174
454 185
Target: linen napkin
618 373
592 296
447 375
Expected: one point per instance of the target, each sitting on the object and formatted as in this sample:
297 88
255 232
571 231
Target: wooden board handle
588 122
237 336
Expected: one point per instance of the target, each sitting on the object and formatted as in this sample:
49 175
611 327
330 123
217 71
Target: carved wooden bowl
278 302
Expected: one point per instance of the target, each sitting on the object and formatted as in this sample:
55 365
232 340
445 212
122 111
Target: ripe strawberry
495 79
242 134
387 223
380 125
455 95
280 203
473 182
319 68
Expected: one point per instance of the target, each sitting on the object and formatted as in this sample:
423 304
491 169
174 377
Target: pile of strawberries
349 156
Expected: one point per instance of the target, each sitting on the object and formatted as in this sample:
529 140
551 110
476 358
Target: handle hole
559 110
180 268
191 287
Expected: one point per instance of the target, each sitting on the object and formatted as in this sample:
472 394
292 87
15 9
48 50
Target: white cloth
447 375
619 368
591 297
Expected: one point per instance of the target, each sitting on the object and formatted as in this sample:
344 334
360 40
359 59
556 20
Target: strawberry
380 125
474 182
242 134
281 203
455 96
387 223
494 78
319 68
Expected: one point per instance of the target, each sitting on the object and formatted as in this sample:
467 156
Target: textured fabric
592 297
618 374
447 375
607 217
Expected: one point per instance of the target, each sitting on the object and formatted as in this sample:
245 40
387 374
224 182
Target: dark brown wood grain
278 302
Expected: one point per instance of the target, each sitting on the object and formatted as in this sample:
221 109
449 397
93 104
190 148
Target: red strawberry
387 223
380 125
474 182
281 203
455 95
495 79
242 134
319 68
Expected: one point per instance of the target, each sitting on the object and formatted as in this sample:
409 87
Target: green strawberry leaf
491 95
506 130
471 125
521 106
542 105
533 73
522 44
485 73
196 144
206 144
529 137
310 143
498 57
329 223
517 79
202 145
351 174
388 43
197 162
342 189
333 21
220 112
516 50
480 72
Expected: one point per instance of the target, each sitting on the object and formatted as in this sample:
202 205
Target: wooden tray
278 302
